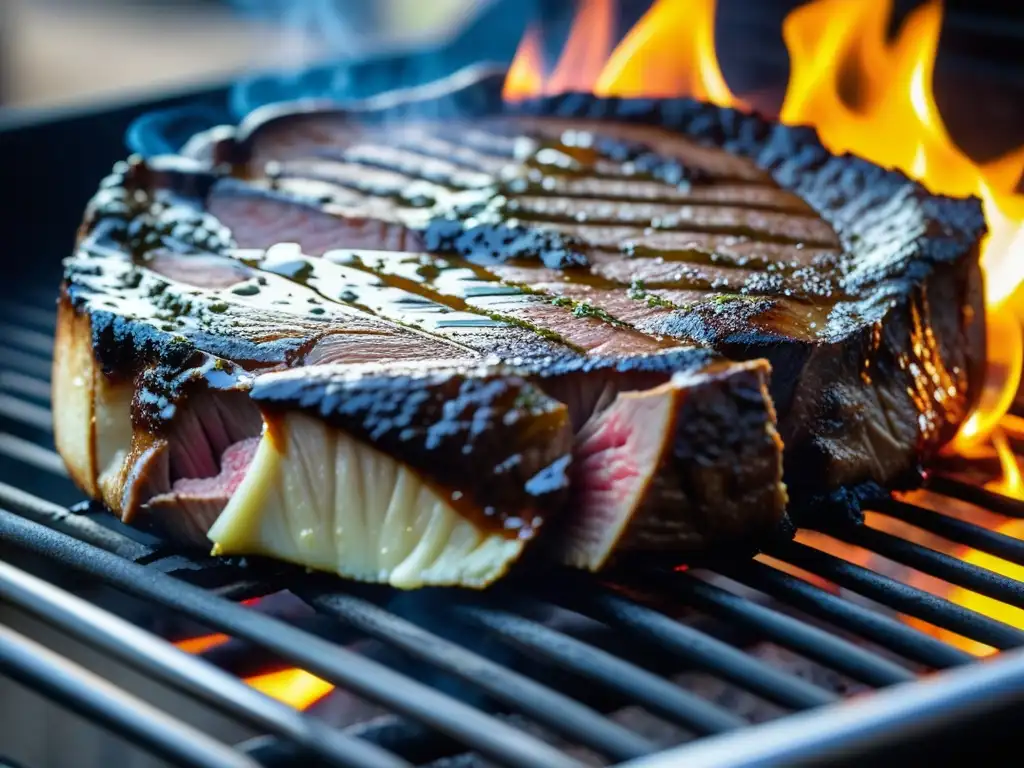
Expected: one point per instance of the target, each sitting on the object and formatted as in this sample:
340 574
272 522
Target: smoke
309 29
349 29
354 49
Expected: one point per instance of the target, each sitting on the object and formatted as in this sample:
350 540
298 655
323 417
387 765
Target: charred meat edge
849 435
683 498
400 527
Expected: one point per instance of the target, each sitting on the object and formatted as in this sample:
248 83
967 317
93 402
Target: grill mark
475 294
417 156
661 216
626 238
779 275
399 190
392 189
424 157
535 189
405 162
717 163
392 296
528 209
776 270
429 145
684 228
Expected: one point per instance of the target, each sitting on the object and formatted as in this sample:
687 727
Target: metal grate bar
903 598
31 453
29 314
26 386
161 660
869 727
814 643
694 646
30 414
27 339
650 691
404 737
938 564
93 697
975 494
954 529
338 665
22 362
546 706
886 632
59 518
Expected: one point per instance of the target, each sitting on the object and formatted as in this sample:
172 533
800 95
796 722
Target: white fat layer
113 425
73 381
317 497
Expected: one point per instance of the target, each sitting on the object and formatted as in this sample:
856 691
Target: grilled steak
472 331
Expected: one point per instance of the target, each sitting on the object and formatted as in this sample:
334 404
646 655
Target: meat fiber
443 340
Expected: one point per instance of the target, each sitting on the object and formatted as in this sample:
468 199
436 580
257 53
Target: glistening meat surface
444 343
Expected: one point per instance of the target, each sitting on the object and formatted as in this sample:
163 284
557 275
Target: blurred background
81 52
56 52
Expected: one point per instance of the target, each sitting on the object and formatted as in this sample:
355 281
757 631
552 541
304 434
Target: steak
399 348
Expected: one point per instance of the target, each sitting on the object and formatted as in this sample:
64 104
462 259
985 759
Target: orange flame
525 76
874 97
586 49
294 687
669 52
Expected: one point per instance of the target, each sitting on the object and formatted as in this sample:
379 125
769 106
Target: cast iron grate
873 648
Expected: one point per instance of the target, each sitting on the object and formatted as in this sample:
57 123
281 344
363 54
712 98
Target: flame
871 96
669 52
198 645
1009 484
586 49
525 76
295 687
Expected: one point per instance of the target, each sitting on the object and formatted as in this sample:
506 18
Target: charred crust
726 455
840 188
495 445
728 320
494 243
679 360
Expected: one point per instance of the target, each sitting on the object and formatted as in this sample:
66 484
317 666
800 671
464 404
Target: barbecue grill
729 663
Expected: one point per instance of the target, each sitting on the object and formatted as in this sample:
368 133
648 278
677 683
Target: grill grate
624 664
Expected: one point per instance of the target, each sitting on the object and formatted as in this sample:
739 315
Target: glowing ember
292 686
295 687
198 645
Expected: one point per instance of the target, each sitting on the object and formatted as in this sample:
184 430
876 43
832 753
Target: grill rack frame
966 697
